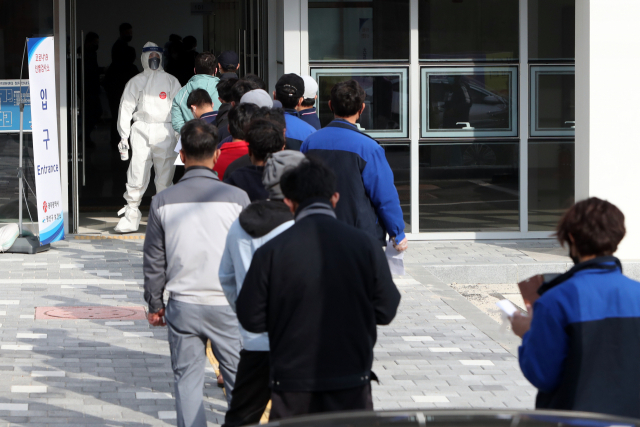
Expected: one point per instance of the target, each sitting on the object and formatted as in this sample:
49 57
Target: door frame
60 43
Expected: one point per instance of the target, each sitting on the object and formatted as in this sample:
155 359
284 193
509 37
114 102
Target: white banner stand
50 227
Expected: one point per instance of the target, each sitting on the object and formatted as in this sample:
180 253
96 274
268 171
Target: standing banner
42 79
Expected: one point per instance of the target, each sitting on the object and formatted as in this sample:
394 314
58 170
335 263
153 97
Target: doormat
90 312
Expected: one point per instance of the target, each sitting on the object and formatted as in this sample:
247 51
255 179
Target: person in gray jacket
186 230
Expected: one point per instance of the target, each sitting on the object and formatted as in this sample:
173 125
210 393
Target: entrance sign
45 138
10 92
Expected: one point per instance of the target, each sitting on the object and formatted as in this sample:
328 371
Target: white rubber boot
130 222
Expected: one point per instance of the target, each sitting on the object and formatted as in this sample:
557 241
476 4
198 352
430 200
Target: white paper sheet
178 162
507 307
395 259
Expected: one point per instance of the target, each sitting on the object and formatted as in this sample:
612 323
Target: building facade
474 101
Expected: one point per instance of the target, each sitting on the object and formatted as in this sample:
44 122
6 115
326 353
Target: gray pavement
440 351
492 262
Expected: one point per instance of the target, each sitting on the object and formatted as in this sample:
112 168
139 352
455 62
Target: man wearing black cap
228 64
290 92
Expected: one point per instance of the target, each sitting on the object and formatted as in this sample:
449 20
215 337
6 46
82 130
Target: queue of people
254 218
270 245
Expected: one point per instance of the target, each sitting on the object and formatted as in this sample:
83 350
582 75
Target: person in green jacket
205 69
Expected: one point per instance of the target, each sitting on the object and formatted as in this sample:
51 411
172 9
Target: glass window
385 114
552 29
469 102
358 30
21 19
399 158
480 30
469 187
553 95
551 182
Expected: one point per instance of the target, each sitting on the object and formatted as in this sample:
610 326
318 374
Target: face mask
154 63
574 258
127 38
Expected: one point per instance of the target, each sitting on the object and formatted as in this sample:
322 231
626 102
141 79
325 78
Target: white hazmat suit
147 100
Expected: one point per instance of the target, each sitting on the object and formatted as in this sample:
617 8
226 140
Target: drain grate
90 312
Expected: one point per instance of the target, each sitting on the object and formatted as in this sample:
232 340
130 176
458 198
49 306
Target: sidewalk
440 351
495 261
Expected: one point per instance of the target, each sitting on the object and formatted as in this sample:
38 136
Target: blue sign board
10 92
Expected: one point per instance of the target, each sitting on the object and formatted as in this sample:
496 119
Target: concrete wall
292 42
607 109
151 21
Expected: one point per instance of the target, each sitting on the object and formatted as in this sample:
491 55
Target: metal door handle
244 50
467 125
571 121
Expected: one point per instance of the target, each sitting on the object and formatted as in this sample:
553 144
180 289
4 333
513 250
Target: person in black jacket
319 289
224 95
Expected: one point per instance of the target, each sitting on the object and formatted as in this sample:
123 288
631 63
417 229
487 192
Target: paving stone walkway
440 351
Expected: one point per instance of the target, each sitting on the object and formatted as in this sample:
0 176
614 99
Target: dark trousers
285 404
251 393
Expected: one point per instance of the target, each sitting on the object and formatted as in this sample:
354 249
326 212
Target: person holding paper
580 339
369 200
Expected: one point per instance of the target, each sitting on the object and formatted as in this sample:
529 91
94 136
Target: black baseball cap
290 86
228 59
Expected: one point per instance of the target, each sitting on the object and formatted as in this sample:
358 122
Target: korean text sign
45 138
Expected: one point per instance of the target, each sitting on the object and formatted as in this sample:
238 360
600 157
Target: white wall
607 109
292 40
151 20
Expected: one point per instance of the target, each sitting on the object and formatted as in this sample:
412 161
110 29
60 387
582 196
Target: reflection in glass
469 187
399 158
9 198
552 29
21 19
480 30
358 30
551 183
553 97
469 102
385 113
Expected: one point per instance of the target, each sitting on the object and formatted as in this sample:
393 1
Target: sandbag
8 235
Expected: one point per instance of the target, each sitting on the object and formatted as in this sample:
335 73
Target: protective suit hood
149 48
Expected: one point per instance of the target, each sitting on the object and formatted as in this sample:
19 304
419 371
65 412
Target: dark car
458 418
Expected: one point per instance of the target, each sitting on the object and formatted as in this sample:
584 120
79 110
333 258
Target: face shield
154 61
152 57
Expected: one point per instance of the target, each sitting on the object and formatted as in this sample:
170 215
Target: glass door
238 25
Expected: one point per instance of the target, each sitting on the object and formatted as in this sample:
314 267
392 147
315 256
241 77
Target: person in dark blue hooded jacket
369 199
581 339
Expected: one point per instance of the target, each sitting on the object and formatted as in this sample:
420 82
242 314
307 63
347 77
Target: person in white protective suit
147 100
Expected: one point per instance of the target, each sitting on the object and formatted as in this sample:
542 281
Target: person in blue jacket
581 339
290 92
368 197
307 110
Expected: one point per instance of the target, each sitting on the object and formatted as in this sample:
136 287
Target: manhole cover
91 312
